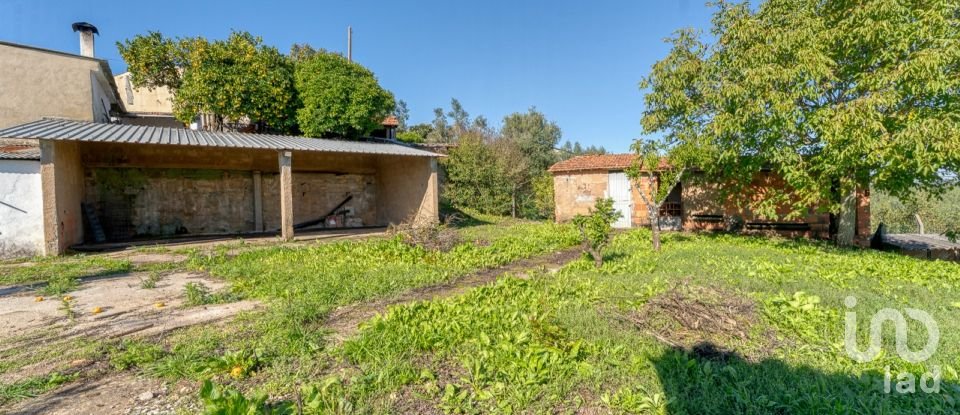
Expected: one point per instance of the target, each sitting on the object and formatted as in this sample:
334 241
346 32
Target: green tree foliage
573 149
661 168
543 196
535 135
416 133
498 172
474 177
596 228
939 215
301 52
403 115
460 117
234 79
440 128
834 94
340 98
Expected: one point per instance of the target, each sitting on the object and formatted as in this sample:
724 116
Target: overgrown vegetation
712 324
596 228
808 89
556 343
285 344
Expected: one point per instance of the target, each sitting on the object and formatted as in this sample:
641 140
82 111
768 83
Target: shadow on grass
708 380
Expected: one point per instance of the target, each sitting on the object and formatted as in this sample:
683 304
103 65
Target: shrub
595 228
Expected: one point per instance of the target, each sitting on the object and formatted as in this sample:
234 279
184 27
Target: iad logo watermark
906 381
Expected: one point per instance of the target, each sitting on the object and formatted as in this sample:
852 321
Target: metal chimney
87 31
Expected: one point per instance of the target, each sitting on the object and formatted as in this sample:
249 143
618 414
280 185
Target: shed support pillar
286 196
257 202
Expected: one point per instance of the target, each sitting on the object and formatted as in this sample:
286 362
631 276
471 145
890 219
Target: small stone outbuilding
105 182
694 205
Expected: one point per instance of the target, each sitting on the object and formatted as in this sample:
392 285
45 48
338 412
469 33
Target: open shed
112 182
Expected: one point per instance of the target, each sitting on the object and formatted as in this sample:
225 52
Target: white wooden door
618 189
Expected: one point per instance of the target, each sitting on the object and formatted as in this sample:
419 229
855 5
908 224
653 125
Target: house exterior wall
21 209
701 199
143 100
38 84
575 193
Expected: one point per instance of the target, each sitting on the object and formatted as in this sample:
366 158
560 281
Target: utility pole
350 43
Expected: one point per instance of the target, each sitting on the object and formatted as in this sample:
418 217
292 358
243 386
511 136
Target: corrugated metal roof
16 152
66 130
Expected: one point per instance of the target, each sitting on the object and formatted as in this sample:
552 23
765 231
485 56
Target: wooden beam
286 195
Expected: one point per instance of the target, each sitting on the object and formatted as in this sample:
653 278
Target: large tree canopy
231 79
832 94
340 98
535 135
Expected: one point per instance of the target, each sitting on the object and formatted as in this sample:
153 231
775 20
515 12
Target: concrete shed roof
67 130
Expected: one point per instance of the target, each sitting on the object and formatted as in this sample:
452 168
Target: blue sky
577 61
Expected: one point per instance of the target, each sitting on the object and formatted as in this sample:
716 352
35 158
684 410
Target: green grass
33 387
582 339
60 274
301 284
551 344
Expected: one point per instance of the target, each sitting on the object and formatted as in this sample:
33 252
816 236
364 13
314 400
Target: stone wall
139 202
576 193
316 194
163 202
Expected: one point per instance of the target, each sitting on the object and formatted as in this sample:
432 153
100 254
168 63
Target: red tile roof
390 121
597 162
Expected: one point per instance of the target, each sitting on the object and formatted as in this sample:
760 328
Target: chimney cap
85 27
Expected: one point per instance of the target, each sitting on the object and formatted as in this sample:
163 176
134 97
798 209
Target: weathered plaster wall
61 178
21 209
36 84
407 190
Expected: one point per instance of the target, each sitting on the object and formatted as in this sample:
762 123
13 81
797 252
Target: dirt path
344 321
106 393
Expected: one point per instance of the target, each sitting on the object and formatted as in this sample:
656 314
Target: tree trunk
513 204
655 227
